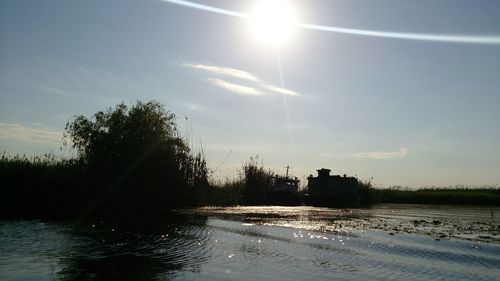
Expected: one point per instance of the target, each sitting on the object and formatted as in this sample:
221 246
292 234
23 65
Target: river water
398 242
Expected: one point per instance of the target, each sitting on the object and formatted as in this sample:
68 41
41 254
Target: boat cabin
285 184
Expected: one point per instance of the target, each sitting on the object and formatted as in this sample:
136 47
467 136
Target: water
399 242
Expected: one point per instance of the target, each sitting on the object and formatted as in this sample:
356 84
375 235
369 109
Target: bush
227 193
131 160
257 182
366 193
138 158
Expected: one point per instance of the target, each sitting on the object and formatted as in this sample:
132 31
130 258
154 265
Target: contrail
410 36
207 8
471 39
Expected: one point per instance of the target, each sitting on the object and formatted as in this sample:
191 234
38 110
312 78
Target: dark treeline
132 164
489 196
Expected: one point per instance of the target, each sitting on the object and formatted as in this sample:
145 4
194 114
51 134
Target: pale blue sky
404 112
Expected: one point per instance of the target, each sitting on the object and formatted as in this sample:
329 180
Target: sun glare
273 21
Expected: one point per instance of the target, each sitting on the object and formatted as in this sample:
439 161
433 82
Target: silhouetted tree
138 159
257 181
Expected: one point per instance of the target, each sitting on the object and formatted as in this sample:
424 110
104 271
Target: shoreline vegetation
132 161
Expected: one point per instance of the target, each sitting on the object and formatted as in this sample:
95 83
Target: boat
285 183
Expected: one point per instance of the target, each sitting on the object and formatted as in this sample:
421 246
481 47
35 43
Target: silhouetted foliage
139 160
453 195
39 187
257 181
226 193
366 193
131 161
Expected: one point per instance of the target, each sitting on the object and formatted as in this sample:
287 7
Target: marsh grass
40 186
225 193
366 192
459 195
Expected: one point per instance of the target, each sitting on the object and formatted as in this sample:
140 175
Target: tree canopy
138 158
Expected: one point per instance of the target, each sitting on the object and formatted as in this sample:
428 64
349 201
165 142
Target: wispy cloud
281 90
17 132
241 74
403 151
191 105
296 126
224 71
235 88
57 91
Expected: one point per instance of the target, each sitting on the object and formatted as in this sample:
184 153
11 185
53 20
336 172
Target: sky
397 111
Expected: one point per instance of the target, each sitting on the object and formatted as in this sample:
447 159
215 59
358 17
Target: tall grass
366 193
40 186
449 195
226 193
251 186
257 181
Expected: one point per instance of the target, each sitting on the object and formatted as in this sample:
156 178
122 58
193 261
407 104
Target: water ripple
249 243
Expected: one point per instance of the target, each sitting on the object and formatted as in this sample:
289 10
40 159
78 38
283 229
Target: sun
273 21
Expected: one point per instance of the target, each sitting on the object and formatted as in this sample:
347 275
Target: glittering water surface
398 242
